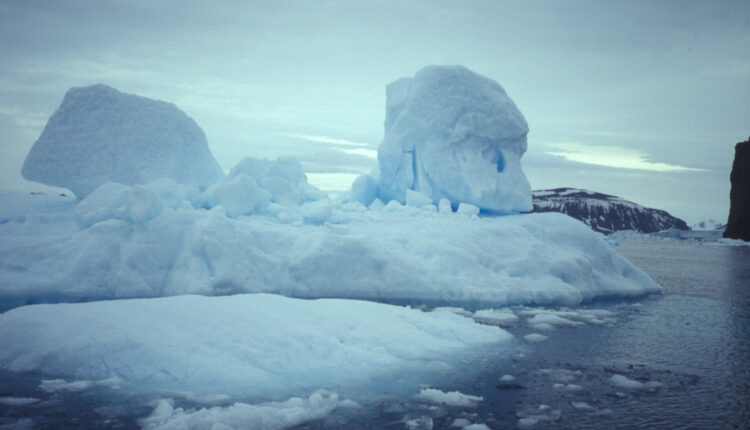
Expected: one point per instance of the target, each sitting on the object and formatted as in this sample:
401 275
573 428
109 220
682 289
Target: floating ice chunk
265 345
562 375
451 133
567 387
624 382
548 320
56 385
17 401
477 426
502 318
267 416
99 134
507 378
460 422
451 398
535 337
582 406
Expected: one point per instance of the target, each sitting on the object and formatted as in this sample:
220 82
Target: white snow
261 345
451 133
99 134
451 398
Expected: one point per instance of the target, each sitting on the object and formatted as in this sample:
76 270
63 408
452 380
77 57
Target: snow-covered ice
165 239
301 325
451 398
245 344
451 133
623 381
99 134
266 416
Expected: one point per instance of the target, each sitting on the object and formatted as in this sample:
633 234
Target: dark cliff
604 213
738 225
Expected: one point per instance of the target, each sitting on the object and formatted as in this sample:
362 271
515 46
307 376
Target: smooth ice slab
258 345
99 134
451 133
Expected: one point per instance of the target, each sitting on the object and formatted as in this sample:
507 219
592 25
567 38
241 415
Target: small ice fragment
460 422
17 401
623 382
477 426
581 406
535 337
528 422
452 398
507 378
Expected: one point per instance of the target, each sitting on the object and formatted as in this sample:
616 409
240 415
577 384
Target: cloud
612 156
325 139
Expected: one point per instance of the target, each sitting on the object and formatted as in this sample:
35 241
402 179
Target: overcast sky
644 100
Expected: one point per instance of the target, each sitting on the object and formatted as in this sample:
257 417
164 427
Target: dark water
692 343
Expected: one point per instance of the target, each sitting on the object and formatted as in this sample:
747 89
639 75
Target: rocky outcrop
604 213
738 225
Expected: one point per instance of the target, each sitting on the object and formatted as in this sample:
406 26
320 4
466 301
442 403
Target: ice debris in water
451 398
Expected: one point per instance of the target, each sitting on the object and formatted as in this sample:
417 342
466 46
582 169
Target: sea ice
267 416
258 345
451 398
99 134
156 239
451 133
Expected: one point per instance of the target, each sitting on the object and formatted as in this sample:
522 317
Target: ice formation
451 133
165 239
153 234
247 345
99 134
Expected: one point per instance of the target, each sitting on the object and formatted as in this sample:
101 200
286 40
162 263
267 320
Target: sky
640 99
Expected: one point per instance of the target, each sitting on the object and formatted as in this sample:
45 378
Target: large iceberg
99 134
146 248
451 133
165 239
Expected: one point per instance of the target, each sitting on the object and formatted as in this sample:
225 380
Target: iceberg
451 133
254 345
99 134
